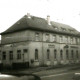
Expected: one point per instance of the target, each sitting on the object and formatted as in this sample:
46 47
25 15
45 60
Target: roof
37 23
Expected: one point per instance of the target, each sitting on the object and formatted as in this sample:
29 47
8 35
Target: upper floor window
71 40
36 54
47 37
11 55
37 36
76 40
4 55
18 54
66 39
61 39
72 54
55 54
48 54
54 38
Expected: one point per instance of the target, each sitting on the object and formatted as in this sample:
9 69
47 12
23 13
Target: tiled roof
41 24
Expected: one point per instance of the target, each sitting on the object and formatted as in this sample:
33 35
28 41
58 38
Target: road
61 76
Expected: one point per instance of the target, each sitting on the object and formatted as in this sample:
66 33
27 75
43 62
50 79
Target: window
55 27
61 39
76 40
63 29
71 40
48 54
18 54
67 54
54 38
11 55
55 54
77 56
61 54
25 50
4 55
72 54
47 37
66 39
36 54
37 36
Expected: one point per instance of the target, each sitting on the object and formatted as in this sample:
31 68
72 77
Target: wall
42 46
15 37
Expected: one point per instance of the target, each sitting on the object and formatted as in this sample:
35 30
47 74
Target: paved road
61 76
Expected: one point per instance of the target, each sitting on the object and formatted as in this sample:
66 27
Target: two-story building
37 41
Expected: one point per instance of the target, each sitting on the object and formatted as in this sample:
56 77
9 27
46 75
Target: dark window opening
25 50
61 54
18 54
4 55
77 56
67 54
36 54
72 54
48 54
55 54
11 55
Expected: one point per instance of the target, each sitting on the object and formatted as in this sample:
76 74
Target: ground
52 73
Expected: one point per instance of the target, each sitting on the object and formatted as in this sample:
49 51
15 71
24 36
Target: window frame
47 37
55 54
4 55
37 36
18 54
61 54
48 54
10 55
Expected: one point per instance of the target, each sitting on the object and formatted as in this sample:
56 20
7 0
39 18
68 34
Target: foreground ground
50 73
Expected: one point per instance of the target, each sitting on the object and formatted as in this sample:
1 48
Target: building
0 56
36 42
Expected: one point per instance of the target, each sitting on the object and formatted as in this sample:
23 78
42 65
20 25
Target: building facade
36 42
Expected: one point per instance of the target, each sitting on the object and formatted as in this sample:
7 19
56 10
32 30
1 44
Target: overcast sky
63 11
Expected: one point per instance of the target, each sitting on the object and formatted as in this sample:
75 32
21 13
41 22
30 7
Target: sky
63 11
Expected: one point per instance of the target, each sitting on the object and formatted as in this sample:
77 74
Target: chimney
48 20
28 15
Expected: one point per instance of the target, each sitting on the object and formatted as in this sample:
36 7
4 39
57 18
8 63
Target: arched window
55 54
36 54
48 54
61 54
72 54
67 54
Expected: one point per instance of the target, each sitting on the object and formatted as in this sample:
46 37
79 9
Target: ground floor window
48 54
77 56
36 54
11 55
72 54
61 54
18 54
4 55
55 54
